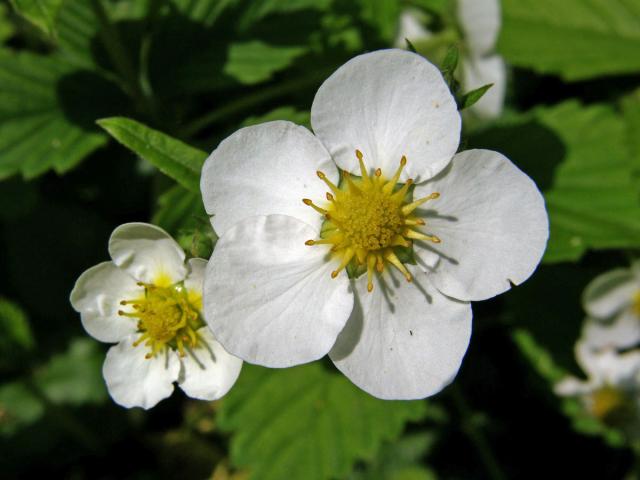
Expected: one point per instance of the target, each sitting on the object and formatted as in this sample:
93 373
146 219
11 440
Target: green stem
476 436
249 101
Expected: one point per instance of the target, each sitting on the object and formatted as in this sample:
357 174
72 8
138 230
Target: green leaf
593 202
172 157
16 337
577 39
75 376
41 13
410 46
631 114
400 460
471 98
255 61
579 157
6 27
306 422
382 15
256 11
19 407
43 115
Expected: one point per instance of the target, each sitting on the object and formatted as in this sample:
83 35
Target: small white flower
611 392
612 301
149 302
274 291
479 22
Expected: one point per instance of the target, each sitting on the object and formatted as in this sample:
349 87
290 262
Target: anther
330 197
378 172
330 184
310 243
407 209
388 188
421 236
308 202
395 261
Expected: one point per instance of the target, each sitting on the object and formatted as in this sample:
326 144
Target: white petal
388 104
572 387
481 71
97 295
623 332
411 28
492 222
147 253
480 21
269 298
609 293
403 341
208 372
195 278
265 169
135 381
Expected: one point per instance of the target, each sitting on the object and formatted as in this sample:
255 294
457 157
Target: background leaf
40 124
256 61
306 422
16 337
577 39
42 13
172 157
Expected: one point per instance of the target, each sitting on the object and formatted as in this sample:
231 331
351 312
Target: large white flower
293 210
480 22
612 301
611 392
148 301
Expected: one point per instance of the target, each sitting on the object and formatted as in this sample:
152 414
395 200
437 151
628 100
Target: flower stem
475 435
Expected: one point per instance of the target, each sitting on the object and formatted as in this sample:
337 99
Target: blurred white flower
479 22
148 301
275 293
611 392
612 302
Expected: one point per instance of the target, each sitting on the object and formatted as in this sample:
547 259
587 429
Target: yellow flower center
167 317
636 303
608 401
368 218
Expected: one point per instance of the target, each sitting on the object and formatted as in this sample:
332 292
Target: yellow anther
391 257
348 255
389 186
421 236
310 243
308 202
330 197
407 209
329 183
378 172
371 262
414 221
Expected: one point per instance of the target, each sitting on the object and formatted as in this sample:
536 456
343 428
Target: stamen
330 197
371 262
414 221
388 188
407 209
363 168
348 255
421 236
400 194
329 183
391 257
308 202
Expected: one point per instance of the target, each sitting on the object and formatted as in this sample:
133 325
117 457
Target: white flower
611 392
275 293
149 302
612 301
480 22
